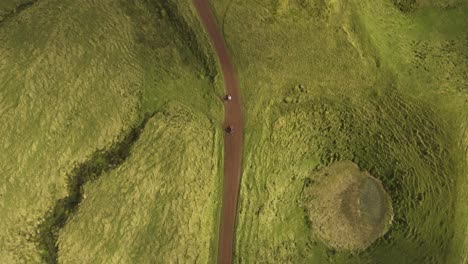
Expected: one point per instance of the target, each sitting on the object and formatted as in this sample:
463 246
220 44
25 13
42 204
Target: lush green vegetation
160 205
75 77
58 104
381 83
85 173
164 200
359 80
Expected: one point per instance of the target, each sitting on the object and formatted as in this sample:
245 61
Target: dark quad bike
229 130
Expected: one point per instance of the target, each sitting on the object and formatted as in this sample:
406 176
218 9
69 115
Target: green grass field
112 145
351 80
160 205
75 77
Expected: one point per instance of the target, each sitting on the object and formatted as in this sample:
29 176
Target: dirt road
232 142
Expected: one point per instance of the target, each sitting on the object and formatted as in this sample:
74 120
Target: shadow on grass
101 161
18 9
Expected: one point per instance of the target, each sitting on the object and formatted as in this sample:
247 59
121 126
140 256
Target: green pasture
111 137
369 81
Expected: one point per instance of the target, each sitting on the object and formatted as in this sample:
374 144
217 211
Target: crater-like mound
348 208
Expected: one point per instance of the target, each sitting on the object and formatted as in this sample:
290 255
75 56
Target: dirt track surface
232 142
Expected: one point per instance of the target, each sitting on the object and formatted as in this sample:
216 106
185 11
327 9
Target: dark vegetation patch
186 33
101 161
408 6
15 11
405 6
168 14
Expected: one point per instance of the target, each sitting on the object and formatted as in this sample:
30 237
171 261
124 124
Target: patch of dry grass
348 209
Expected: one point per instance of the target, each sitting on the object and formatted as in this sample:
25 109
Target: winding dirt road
232 142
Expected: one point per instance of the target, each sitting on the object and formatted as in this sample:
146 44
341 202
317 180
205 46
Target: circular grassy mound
348 208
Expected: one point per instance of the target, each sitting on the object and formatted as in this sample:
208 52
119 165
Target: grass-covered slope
9 8
381 83
390 137
68 85
160 205
361 80
75 77
175 56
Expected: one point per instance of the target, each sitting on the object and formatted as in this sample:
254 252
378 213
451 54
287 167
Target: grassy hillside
75 77
66 90
165 197
160 205
359 80
9 8
112 149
